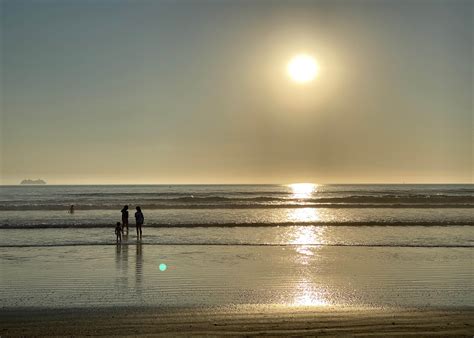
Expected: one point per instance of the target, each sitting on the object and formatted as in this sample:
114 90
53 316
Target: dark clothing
124 217
139 218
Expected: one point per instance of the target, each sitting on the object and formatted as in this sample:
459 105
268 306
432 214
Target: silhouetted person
118 232
139 219
125 217
71 209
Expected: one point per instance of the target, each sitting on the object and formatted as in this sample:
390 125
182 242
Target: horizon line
182 184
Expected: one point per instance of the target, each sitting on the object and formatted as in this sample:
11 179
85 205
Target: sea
298 244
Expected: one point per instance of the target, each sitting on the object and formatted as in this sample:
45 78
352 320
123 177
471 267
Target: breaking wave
246 224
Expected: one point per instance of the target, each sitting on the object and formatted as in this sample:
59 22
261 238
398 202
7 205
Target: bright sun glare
303 68
303 190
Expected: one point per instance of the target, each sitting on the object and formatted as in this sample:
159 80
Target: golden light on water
303 215
303 190
303 68
307 235
307 294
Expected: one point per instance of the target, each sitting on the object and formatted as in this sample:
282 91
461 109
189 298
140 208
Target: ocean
205 245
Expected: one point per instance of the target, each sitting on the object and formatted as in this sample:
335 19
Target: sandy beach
242 320
66 275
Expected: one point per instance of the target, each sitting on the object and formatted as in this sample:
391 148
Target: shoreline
238 320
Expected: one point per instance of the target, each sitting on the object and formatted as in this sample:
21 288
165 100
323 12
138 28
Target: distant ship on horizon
29 181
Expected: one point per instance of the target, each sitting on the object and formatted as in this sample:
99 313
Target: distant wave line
243 244
262 197
399 192
248 224
306 204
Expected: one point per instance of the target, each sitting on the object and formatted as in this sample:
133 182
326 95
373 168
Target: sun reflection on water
303 190
307 239
307 235
308 294
304 215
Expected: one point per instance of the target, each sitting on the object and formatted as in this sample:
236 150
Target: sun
303 68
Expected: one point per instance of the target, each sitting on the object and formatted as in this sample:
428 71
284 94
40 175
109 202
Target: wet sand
241 320
203 276
206 289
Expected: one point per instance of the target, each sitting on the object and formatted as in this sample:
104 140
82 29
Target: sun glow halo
302 68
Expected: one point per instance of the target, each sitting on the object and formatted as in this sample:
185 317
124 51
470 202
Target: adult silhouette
139 219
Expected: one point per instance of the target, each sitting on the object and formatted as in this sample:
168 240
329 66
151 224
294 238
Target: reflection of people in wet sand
125 217
139 269
118 232
139 219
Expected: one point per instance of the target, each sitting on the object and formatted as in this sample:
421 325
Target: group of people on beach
139 220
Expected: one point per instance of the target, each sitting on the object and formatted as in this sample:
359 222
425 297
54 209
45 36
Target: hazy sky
97 91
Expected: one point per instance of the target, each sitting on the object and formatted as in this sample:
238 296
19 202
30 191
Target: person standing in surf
139 219
125 217
118 232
